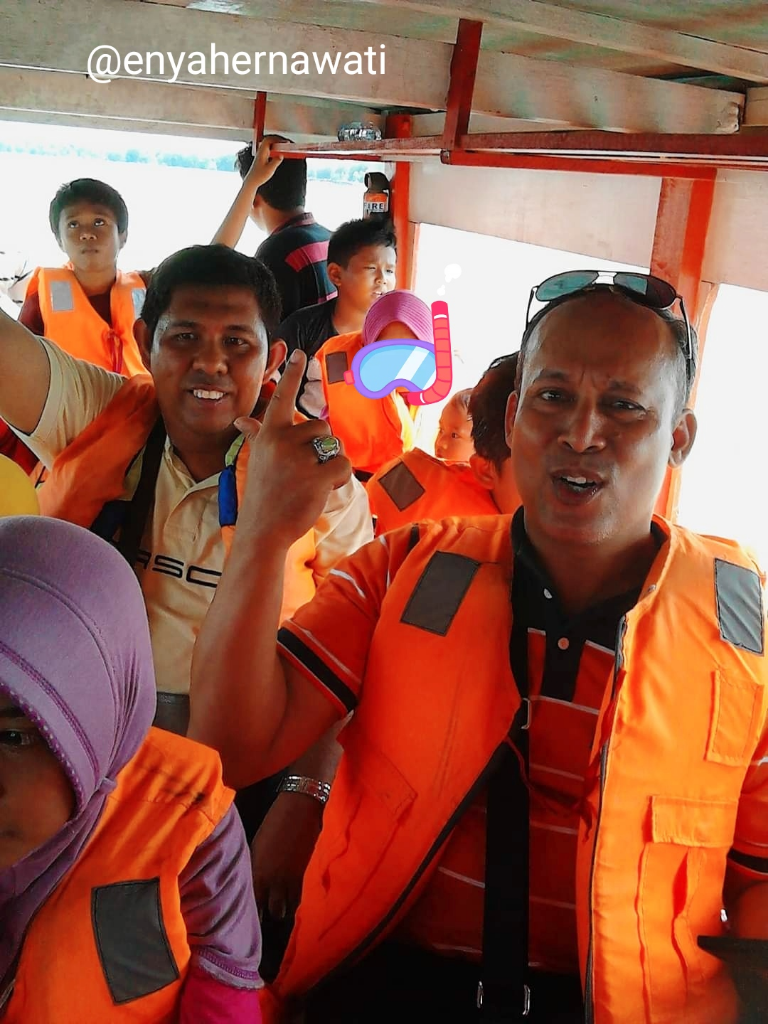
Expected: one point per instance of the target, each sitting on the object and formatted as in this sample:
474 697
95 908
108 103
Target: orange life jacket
74 325
110 942
418 486
91 472
673 743
373 431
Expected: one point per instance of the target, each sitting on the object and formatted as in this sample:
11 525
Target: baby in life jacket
454 433
125 882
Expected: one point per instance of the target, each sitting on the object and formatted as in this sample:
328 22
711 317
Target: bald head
610 314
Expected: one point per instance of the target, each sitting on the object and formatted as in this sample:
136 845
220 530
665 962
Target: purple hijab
75 656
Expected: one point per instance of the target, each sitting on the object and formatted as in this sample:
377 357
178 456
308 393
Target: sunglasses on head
650 291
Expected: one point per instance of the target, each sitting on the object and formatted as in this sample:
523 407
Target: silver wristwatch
310 787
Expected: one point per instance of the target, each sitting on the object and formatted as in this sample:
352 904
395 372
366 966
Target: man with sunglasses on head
552 805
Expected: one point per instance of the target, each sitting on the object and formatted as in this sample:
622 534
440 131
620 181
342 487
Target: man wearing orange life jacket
417 486
156 461
555 779
372 430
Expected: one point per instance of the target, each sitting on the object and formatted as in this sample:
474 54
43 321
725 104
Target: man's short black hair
208 266
287 188
488 409
348 239
685 370
87 190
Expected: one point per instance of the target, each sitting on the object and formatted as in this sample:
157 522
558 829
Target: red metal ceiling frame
259 117
659 155
676 147
461 86
521 161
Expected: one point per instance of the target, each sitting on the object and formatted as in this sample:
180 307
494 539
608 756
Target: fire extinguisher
376 198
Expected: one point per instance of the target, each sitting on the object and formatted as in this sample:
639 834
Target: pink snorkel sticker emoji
423 369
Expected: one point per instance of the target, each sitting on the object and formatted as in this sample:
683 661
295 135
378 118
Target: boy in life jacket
156 463
123 898
87 307
362 256
372 430
555 778
417 486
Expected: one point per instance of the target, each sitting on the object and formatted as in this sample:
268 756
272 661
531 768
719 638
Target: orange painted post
398 126
679 245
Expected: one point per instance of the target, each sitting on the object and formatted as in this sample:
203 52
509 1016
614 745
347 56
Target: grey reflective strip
438 594
740 611
62 297
401 486
137 295
336 365
133 947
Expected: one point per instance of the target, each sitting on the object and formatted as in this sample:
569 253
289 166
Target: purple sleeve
219 907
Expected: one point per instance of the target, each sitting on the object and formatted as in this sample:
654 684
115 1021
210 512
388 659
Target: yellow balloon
17 493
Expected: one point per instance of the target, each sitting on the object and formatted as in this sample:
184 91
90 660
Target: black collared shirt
297 254
565 636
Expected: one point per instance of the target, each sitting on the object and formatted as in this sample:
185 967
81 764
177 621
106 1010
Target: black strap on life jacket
504 991
137 509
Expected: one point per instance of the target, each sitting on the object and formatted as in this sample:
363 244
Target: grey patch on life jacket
401 486
133 947
336 365
438 595
62 297
740 612
137 296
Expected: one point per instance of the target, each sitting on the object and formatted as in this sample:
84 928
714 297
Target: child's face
454 437
368 275
88 235
36 799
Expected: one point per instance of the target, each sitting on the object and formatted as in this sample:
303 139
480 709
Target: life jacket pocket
737 710
370 796
682 868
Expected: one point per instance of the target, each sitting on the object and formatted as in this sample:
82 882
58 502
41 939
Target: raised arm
246 701
263 167
25 375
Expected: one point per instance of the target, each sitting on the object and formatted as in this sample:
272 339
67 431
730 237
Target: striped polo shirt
570 664
297 254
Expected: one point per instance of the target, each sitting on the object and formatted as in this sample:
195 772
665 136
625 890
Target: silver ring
327 448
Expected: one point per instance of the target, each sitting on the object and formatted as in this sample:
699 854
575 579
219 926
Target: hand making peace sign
292 466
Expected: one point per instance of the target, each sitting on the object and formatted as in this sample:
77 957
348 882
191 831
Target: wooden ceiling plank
60 34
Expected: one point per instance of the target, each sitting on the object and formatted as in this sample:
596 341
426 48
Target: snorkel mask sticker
423 369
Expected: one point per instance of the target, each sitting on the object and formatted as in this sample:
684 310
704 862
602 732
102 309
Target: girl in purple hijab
125 882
